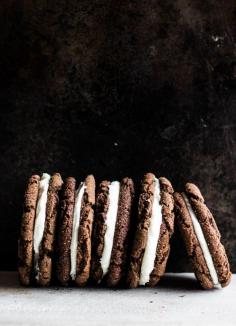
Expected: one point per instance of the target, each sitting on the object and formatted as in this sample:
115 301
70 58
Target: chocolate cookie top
202 238
65 223
99 230
166 231
121 237
25 244
47 245
85 232
143 221
153 208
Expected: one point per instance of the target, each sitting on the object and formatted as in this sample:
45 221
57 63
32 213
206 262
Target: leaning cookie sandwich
202 238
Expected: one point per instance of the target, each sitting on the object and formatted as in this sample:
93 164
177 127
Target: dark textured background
119 88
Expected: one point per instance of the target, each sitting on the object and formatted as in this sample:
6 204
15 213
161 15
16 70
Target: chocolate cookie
38 229
83 244
65 225
25 243
155 224
111 231
202 238
75 229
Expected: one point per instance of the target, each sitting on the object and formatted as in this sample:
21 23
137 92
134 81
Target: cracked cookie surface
65 224
85 232
25 243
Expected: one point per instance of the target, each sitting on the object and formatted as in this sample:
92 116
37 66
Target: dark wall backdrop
119 88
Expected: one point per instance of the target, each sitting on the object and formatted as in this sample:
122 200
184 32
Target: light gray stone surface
176 301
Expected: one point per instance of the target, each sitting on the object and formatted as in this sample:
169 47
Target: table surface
177 300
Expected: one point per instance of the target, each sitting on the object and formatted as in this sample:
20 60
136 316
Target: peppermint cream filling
202 242
153 237
75 229
40 218
114 191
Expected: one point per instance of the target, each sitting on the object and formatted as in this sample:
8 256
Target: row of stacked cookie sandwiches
71 234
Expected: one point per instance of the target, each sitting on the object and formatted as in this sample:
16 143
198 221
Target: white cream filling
153 237
203 243
40 218
114 191
75 230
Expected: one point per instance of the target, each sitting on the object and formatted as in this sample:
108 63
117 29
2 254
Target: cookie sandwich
202 238
74 231
114 202
155 224
37 233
